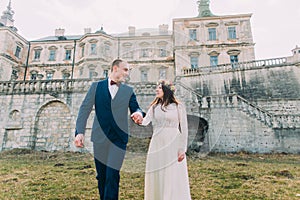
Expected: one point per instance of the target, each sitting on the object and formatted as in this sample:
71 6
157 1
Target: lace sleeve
183 127
148 118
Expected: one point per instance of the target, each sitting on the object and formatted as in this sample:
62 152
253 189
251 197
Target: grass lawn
26 174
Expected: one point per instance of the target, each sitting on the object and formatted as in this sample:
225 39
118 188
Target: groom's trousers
109 157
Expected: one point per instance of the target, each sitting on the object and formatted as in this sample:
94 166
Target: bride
166 176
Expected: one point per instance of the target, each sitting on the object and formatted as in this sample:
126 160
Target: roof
142 32
55 38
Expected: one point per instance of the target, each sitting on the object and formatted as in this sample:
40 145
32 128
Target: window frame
52 54
68 54
212 34
194 61
18 51
214 60
232 32
193 34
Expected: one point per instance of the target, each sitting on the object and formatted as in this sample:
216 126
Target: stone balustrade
44 86
255 111
193 100
62 86
286 121
236 101
255 64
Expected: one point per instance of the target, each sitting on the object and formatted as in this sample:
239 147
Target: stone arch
52 127
14 120
198 128
11 137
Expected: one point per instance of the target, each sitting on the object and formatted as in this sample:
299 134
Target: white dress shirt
113 89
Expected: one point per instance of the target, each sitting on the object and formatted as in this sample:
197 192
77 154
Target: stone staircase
195 102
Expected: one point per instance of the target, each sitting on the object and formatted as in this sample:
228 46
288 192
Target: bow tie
114 83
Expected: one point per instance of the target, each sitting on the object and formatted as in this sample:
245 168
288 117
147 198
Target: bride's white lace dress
165 177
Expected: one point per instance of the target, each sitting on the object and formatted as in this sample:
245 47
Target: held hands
181 155
137 117
79 140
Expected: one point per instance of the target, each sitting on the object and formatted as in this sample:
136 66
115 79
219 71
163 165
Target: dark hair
168 97
116 63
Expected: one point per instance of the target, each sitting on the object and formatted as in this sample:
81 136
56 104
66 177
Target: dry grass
31 175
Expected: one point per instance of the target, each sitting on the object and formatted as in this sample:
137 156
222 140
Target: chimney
131 30
59 32
87 30
163 29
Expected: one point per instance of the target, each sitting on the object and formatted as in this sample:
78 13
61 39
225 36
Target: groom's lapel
106 90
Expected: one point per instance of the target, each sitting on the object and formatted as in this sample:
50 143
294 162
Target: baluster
276 122
268 120
290 121
262 116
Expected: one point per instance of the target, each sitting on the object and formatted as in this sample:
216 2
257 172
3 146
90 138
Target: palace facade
234 102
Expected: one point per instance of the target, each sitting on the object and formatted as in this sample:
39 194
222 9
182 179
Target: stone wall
254 83
41 115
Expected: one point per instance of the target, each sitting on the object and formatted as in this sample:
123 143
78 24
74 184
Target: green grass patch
26 174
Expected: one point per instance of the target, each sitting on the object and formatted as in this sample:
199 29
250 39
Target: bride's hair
168 89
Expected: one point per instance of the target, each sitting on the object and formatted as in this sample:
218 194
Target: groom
111 99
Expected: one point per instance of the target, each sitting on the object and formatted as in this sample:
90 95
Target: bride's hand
181 155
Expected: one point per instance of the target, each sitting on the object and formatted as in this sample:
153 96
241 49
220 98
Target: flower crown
168 84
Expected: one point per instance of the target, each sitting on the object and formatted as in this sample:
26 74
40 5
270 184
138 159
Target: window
144 53
81 71
144 76
162 52
106 49
162 73
82 51
128 53
18 51
66 75
33 76
231 32
105 73
93 49
234 61
14 74
91 73
213 61
49 75
37 54
193 34
212 34
52 55
68 54
194 62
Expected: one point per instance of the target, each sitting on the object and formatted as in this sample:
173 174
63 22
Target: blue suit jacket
111 114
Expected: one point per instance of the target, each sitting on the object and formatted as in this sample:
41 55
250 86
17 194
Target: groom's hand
137 117
79 140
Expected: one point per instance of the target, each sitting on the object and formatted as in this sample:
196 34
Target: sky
275 23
